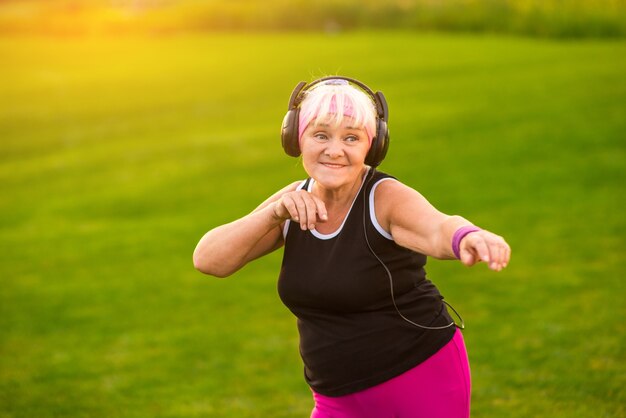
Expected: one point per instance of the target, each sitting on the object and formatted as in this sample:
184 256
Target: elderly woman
376 337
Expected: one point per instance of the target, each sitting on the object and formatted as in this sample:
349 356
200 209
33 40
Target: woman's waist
341 354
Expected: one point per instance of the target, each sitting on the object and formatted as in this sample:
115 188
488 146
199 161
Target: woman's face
334 155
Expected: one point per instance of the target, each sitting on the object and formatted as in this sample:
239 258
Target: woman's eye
321 137
352 138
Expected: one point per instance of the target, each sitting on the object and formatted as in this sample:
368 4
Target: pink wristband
459 235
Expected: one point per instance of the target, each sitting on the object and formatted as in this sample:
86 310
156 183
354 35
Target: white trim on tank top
378 227
315 232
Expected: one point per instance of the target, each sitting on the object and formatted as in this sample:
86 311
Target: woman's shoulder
389 194
383 183
389 189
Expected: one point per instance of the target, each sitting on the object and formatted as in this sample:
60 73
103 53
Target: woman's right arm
227 248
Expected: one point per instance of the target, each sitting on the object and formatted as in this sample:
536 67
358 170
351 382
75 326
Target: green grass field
117 154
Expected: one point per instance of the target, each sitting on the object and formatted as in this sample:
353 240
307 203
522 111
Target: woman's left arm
416 224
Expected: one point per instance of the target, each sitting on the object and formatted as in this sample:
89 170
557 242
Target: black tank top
351 336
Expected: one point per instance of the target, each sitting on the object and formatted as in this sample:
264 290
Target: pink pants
437 388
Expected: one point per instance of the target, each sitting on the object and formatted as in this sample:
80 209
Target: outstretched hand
302 207
485 246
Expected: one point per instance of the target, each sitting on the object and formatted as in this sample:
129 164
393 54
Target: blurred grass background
118 150
543 18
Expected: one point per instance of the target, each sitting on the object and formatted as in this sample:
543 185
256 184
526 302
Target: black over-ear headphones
380 143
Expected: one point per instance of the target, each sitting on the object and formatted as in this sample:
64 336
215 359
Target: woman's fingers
303 207
289 204
321 210
310 214
485 246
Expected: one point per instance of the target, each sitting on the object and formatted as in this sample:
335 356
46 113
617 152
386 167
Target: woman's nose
334 148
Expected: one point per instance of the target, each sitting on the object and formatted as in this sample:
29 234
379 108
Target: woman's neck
339 198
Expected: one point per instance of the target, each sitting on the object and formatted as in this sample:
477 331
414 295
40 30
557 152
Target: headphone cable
390 276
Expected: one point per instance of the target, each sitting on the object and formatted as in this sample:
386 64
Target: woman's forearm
226 248
446 232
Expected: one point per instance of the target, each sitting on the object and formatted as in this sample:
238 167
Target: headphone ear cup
289 133
380 144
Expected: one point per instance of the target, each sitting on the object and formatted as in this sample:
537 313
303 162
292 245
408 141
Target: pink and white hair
334 100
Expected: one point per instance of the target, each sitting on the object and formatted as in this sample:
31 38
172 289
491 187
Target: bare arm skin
416 224
227 248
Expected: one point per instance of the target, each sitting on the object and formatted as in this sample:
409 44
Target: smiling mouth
331 165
